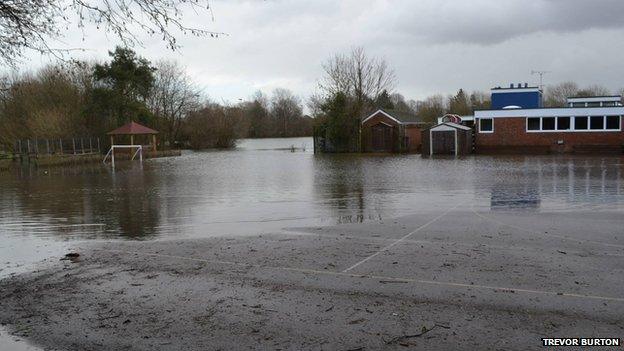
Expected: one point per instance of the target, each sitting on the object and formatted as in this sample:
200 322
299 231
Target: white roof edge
384 113
551 112
594 98
513 90
452 125
455 125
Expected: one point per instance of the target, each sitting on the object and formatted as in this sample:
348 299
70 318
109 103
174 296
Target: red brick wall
411 131
510 135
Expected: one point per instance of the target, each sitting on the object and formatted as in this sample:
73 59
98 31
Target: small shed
133 129
447 138
391 131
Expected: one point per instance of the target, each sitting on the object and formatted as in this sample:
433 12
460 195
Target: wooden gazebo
133 129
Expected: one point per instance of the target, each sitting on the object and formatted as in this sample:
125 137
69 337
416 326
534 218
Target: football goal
111 153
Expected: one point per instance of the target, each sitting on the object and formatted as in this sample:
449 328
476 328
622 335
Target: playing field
458 279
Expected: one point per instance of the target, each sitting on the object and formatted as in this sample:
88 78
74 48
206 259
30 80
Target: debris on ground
357 321
424 330
72 256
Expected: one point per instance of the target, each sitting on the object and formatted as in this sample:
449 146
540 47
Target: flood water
270 184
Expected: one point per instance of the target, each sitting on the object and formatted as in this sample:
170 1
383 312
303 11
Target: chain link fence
73 146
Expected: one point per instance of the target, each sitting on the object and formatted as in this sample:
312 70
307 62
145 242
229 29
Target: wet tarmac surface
466 279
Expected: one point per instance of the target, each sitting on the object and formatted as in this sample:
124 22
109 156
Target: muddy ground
456 280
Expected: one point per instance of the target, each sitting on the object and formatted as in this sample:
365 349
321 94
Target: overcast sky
434 46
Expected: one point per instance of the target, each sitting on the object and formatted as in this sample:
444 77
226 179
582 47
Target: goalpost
111 153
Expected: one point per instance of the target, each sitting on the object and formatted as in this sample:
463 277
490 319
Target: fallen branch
423 331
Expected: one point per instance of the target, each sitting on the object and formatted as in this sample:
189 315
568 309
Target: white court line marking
378 277
369 239
401 239
544 234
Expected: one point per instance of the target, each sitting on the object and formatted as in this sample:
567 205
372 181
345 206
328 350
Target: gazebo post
132 129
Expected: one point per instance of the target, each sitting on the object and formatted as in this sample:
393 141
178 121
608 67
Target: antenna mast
541 75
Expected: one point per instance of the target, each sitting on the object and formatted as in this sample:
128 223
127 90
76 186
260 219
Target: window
596 122
572 124
608 104
486 125
593 104
580 123
533 123
613 122
578 104
563 123
548 123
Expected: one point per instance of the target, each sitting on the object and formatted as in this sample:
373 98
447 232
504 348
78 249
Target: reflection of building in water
561 183
504 196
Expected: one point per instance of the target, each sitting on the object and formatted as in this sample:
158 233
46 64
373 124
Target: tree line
90 99
355 85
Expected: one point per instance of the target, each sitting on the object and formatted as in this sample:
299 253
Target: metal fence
73 146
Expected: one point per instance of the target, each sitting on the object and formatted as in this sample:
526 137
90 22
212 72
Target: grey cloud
487 22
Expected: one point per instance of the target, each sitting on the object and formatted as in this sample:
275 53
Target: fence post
82 145
90 146
74 145
98 140
28 144
48 145
61 145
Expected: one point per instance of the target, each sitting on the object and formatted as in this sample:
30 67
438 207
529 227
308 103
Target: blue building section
524 97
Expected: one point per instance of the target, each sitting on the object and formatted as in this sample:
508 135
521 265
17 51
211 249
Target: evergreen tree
459 104
122 87
384 101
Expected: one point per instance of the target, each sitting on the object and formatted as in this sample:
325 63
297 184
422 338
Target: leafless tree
593 90
357 76
431 108
33 24
173 97
213 126
285 108
555 95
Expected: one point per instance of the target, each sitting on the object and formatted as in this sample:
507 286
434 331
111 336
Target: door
443 142
382 138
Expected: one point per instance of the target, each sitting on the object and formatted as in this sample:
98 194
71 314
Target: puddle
13 343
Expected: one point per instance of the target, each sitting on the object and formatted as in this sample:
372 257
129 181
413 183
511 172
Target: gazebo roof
132 128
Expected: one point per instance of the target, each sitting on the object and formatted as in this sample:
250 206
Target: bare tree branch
357 76
33 24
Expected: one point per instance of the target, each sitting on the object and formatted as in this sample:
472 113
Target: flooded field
270 184
300 251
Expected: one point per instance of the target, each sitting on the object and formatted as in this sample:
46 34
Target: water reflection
263 186
505 197
562 182
88 202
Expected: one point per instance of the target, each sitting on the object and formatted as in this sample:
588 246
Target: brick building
391 131
591 124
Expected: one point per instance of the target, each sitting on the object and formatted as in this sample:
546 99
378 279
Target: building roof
612 98
452 125
398 116
132 128
551 112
